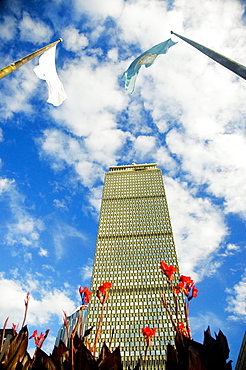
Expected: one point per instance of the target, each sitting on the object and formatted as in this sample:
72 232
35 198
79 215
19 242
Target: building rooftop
133 167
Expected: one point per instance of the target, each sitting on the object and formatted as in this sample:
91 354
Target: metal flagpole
13 66
230 64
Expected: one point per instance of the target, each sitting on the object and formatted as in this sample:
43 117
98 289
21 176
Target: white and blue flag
147 58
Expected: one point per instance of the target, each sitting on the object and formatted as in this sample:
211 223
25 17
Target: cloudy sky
187 114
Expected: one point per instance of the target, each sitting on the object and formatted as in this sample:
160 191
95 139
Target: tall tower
64 333
134 235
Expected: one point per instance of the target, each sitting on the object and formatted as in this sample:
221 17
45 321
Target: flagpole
230 64
13 66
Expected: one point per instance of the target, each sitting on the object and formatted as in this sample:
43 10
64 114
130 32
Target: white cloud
15 95
113 54
201 322
61 232
137 24
5 185
164 160
94 97
51 302
74 40
1 135
237 300
43 252
86 157
62 146
233 248
102 146
8 28
230 250
144 145
228 13
95 199
61 204
218 163
198 228
63 150
48 345
97 8
86 271
88 172
34 30
23 228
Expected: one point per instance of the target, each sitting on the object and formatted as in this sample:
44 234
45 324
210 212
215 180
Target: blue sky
187 114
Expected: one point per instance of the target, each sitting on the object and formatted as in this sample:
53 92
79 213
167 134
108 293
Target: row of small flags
46 70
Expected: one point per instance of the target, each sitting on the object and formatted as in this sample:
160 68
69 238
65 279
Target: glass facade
241 361
134 235
79 314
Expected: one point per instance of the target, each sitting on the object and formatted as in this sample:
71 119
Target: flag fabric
16 65
233 66
147 59
46 70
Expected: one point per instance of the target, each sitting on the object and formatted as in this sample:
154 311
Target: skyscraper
134 235
241 360
64 333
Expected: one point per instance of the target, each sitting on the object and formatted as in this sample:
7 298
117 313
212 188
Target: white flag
46 70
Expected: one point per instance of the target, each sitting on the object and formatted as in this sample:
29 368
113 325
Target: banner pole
13 66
